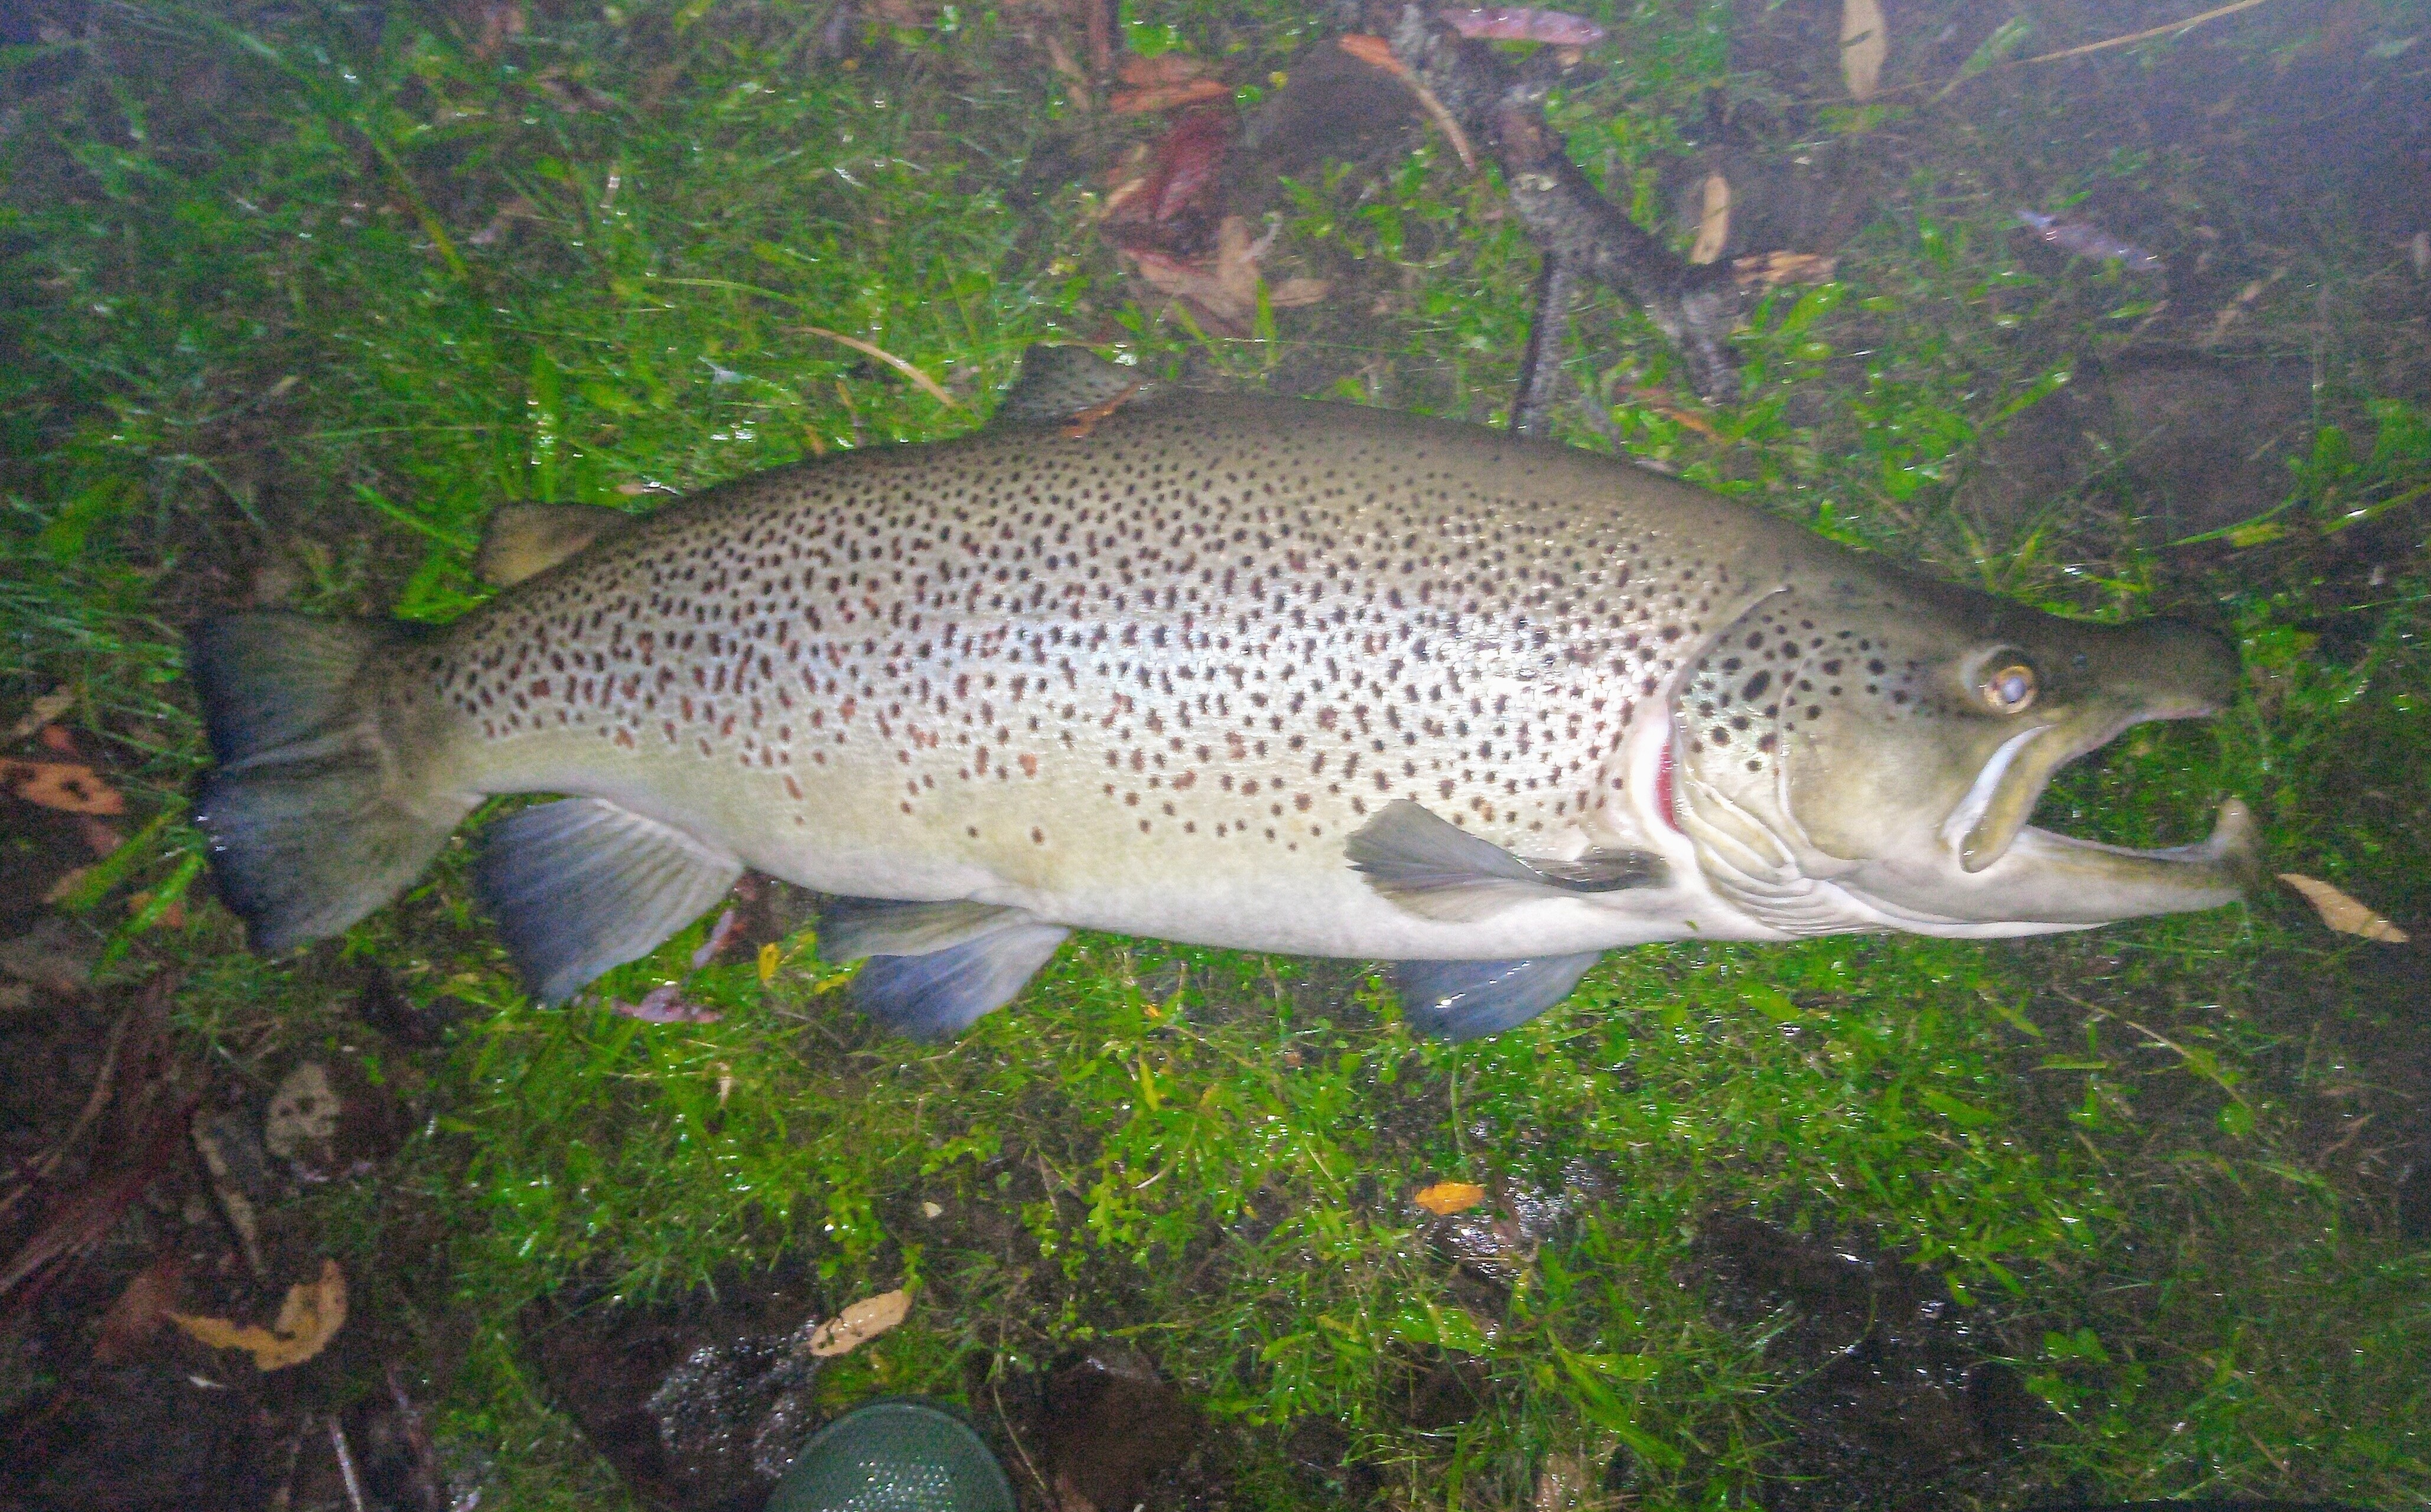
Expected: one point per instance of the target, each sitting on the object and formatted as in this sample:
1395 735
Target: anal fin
1469 1000
1439 870
581 885
934 968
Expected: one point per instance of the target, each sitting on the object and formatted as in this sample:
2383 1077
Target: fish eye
2008 684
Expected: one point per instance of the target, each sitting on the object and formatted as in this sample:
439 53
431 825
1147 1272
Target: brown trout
1261 674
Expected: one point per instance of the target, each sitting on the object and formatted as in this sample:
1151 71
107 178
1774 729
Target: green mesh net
894 1456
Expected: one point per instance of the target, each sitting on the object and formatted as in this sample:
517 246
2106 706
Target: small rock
1110 1426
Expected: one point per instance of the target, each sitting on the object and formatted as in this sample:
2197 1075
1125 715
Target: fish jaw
2045 882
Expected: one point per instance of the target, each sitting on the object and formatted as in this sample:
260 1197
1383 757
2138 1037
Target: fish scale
1233 671
1030 654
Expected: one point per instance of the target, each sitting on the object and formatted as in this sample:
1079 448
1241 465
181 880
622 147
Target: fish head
1870 749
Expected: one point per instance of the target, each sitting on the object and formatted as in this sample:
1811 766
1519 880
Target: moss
295 304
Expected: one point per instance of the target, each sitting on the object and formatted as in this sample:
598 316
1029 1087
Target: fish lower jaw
2233 844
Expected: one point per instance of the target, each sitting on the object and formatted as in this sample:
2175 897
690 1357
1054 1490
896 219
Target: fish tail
314 814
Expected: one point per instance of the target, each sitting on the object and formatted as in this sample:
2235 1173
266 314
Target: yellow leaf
768 958
858 1324
309 1316
1447 1197
2343 913
1864 43
1713 221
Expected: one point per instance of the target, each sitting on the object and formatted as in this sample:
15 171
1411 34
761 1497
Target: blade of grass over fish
926 383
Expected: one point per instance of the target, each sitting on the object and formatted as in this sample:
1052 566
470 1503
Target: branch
1564 214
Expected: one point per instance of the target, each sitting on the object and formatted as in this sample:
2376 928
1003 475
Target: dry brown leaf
1713 221
1378 53
44 710
312 1315
1167 96
303 1114
2343 913
1164 68
1769 270
1446 1198
136 1316
1671 409
68 787
858 1324
1227 290
1863 45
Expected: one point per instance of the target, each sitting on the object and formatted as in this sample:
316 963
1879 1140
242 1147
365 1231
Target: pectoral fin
934 968
1469 1000
521 540
579 886
1435 869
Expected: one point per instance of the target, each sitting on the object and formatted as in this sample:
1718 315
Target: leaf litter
308 1320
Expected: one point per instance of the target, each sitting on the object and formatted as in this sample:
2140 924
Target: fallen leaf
1518 24
303 1116
1229 289
234 1164
769 957
1446 1198
43 711
138 1313
1713 221
56 737
719 934
1164 68
1167 96
1669 409
2343 913
858 1324
68 787
1769 270
665 1005
1378 53
1863 45
310 1316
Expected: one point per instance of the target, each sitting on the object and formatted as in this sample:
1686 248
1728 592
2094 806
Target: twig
1541 366
424 1480
85 1218
1378 53
1046 1491
42 1164
346 1464
865 349
2146 35
1563 211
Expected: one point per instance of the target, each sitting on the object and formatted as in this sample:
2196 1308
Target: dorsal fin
1067 386
523 540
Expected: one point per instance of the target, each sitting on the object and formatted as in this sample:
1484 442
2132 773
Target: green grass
293 304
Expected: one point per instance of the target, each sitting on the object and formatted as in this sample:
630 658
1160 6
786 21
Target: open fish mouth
2039 878
1985 823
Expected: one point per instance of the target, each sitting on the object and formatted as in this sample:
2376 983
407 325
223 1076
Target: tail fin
312 820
